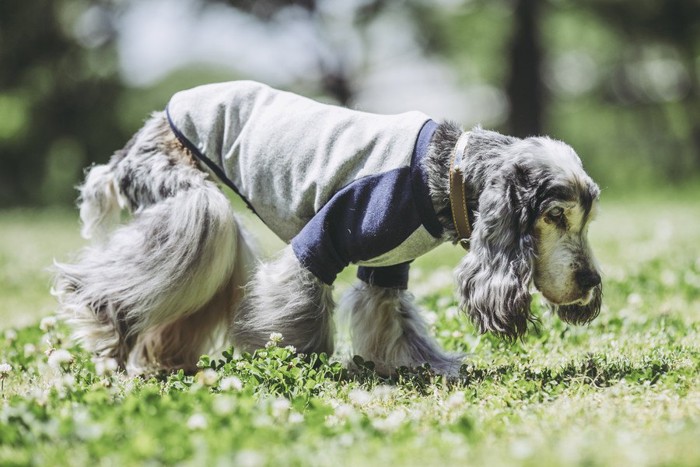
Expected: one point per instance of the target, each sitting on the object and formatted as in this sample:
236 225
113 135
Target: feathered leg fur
285 297
387 329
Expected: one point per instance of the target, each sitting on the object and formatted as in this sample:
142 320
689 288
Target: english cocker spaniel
181 274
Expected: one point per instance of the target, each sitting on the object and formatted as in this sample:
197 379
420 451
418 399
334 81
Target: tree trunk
525 89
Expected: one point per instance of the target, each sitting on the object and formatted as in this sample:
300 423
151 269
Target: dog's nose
587 278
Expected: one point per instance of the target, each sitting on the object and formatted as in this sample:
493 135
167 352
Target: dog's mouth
586 299
582 299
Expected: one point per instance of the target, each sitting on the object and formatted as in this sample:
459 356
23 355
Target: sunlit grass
624 390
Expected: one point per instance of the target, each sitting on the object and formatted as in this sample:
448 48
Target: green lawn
624 390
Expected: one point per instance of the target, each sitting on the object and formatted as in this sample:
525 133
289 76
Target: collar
458 196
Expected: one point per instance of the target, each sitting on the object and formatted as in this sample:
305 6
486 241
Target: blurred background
617 79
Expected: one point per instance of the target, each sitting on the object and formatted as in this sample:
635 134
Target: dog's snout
588 278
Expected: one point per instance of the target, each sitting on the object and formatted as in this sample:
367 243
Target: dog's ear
494 277
581 314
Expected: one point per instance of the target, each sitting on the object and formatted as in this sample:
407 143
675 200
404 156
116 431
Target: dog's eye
555 213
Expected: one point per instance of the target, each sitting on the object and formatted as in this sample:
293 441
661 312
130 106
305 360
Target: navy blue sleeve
392 277
364 220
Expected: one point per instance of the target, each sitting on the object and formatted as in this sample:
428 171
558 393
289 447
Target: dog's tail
100 203
154 293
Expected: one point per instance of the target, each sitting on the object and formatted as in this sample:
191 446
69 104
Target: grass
624 390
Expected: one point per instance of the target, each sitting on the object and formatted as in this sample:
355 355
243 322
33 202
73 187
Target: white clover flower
452 438
47 324
382 392
40 396
248 458
5 369
295 418
443 302
224 405
359 397
344 411
669 278
430 317
263 420
635 300
291 348
197 422
452 312
521 448
346 440
280 407
85 428
207 377
231 383
29 349
59 357
68 381
391 423
10 335
275 338
331 421
105 366
456 400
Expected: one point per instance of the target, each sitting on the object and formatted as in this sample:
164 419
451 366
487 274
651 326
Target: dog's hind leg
387 329
179 343
166 264
286 298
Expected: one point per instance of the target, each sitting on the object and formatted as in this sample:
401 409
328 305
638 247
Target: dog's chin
582 300
579 311
586 299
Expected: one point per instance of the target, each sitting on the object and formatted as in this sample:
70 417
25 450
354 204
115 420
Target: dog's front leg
387 328
284 297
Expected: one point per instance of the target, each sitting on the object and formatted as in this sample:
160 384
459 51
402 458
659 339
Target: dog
180 274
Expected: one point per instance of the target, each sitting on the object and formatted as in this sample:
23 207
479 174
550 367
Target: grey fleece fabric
289 156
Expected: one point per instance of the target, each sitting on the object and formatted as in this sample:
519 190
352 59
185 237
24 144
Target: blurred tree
58 93
63 105
524 85
644 24
338 72
336 80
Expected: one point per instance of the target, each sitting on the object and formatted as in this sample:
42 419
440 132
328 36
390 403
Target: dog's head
532 228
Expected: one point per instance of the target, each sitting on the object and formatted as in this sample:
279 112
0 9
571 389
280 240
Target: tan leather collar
458 197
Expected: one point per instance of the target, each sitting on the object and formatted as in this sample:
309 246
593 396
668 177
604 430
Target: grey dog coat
342 186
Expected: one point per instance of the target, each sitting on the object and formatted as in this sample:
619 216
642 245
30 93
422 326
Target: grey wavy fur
286 298
387 328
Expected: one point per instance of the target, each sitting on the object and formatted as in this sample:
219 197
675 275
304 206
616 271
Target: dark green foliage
58 101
